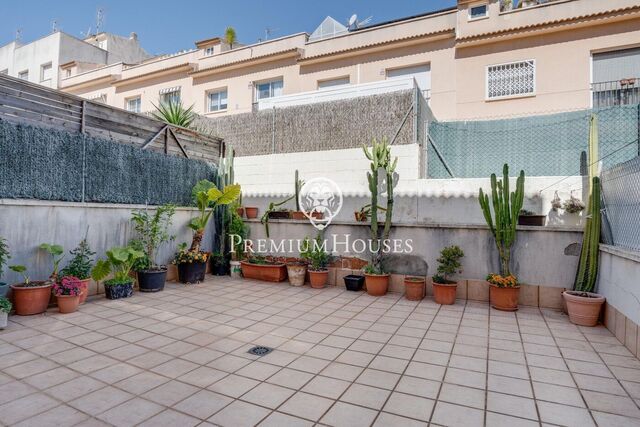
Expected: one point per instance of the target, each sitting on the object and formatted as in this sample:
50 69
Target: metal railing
618 92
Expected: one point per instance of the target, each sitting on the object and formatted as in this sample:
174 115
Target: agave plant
175 113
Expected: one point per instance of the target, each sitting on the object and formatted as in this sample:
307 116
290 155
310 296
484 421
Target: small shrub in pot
444 289
80 267
314 252
67 292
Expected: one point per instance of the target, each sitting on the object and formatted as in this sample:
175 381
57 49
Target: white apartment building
50 58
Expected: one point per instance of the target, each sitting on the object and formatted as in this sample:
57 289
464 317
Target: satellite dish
353 21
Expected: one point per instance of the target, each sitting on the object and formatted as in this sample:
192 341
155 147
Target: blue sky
167 26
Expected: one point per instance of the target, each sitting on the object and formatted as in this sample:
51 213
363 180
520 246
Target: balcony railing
619 92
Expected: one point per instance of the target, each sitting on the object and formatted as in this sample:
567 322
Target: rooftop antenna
99 20
54 26
19 34
268 32
354 24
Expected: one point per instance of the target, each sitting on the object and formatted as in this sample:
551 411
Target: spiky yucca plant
175 113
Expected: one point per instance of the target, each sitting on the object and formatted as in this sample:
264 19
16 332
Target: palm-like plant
174 113
207 200
230 36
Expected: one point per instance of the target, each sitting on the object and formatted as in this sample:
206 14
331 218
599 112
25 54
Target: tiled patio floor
179 358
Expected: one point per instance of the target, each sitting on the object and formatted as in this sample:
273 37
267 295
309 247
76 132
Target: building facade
481 59
58 55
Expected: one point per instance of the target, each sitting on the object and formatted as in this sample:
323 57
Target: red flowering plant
68 285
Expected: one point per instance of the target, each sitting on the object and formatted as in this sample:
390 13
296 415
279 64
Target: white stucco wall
619 280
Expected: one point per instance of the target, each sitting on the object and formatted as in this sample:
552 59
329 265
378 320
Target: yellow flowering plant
500 281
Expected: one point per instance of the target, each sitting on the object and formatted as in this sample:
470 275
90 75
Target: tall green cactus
506 208
298 185
588 264
380 157
224 178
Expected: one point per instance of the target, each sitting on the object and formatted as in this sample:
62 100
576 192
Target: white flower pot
4 319
236 269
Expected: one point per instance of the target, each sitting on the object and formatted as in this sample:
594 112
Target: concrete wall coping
552 228
621 252
57 203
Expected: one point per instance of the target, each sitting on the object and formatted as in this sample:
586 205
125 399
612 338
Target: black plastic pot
124 290
4 289
191 272
533 220
279 215
354 282
152 280
218 269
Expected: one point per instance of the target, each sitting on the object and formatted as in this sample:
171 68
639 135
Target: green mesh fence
548 145
39 163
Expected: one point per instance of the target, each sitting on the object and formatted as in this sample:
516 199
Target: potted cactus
583 305
376 279
120 262
4 257
503 288
314 252
30 297
444 289
80 267
5 309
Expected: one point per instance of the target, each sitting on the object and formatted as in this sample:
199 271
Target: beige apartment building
481 59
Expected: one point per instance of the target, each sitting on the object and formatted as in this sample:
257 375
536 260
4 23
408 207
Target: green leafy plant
119 261
81 261
506 207
448 264
21 269
174 113
372 269
380 157
205 199
313 251
153 229
5 305
230 36
143 263
4 254
218 259
57 253
588 265
238 228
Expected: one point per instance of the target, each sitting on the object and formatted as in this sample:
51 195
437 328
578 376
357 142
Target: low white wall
27 223
618 280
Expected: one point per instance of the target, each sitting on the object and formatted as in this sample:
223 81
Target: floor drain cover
260 350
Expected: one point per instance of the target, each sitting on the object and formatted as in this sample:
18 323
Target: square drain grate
260 350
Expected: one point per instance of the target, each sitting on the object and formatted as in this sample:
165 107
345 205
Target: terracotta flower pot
376 284
318 279
30 300
251 212
360 216
445 293
84 285
317 215
68 303
583 307
298 215
266 272
414 288
505 299
240 212
296 273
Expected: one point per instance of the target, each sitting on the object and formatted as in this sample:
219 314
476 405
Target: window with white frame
134 104
209 51
217 100
478 11
170 95
511 80
45 72
24 75
269 89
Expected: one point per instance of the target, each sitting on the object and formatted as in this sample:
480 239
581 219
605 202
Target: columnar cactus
298 184
506 208
380 157
588 264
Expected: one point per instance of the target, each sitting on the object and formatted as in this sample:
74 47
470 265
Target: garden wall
27 223
543 258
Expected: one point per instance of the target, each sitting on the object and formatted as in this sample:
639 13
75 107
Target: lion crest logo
320 199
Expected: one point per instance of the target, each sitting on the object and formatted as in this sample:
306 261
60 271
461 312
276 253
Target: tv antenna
19 34
99 20
268 32
54 26
354 24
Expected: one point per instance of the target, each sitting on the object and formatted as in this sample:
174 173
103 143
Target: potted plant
365 213
503 287
5 309
318 258
376 279
260 268
68 291
530 218
238 232
296 272
4 257
353 282
56 252
30 297
583 305
414 288
120 262
251 212
152 231
192 262
219 264
80 267
239 209
573 205
298 214
444 289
